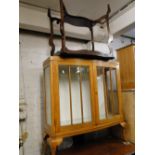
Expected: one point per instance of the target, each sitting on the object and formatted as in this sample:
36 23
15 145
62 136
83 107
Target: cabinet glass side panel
47 96
86 94
101 92
64 95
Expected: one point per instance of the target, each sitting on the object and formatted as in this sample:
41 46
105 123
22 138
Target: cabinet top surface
77 60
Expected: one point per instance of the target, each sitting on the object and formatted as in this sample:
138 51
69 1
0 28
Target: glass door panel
115 91
86 94
108 92
74 94
101 93
112 94
64 95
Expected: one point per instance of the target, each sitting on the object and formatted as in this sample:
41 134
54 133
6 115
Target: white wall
119 43
34 50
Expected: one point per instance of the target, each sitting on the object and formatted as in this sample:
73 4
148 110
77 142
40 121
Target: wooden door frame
74 127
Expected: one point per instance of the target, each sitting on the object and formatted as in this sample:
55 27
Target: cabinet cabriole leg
123 125
54 143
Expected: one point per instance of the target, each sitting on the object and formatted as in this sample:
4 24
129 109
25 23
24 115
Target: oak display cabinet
80 96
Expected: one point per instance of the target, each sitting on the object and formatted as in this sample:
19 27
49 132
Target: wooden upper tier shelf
80 22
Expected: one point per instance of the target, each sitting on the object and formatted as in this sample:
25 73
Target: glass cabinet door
107 92
64 96
112 92
74 94
101 93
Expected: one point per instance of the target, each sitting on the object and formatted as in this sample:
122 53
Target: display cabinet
80 96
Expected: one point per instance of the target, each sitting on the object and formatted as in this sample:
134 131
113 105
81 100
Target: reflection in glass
47 96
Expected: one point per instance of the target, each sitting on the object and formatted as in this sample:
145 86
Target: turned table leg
53 150
54 143
123 125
